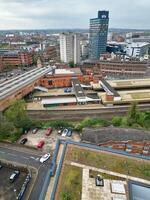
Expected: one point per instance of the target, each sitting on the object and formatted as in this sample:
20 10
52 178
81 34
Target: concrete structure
137 49
70 47
20 86
98 35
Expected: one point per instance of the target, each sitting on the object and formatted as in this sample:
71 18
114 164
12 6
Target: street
28 159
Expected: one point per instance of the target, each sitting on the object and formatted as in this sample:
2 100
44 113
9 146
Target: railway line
78 114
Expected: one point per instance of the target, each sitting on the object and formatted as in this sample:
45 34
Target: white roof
118 187
137 44
59 100
63 71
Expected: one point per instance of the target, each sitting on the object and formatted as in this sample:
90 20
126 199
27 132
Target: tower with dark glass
98 35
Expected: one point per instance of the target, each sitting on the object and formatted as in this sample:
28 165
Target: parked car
60 130
25 131
41 144
65 131
67 90
45 158
13 176
23 141
69 133
49 131
34 131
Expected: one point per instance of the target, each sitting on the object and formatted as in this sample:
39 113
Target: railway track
78 114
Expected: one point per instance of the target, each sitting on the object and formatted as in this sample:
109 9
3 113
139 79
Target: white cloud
72 13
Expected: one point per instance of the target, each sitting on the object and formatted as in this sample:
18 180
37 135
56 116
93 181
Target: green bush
57 124
91 122
116 121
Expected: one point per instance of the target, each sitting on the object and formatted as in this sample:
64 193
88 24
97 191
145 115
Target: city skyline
44 14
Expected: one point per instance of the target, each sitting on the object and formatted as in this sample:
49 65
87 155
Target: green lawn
70 183
123 165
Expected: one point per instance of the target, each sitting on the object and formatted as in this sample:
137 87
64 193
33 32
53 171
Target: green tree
117 121
71 64
6 128
17 115
133 114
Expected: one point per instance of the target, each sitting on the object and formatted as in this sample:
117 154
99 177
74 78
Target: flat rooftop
66 71
124 84
128 96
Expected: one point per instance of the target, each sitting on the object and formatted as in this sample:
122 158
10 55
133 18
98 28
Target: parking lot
50 141
8 190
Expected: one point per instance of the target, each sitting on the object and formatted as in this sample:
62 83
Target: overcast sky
30 14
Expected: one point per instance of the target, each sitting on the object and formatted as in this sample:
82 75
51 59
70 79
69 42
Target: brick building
129 146
116 68
62 78
15 58
50 53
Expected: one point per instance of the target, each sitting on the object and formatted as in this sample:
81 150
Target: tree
17 115
6 128
71 64
133 114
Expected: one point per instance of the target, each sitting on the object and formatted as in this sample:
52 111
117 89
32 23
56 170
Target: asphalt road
29 159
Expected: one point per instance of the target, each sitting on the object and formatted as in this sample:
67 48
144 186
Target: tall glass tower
98 35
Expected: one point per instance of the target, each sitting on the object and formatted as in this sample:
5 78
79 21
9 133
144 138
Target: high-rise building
98 34
70 47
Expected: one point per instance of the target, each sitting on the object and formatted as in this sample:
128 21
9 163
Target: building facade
137 49
116 69
98 34
16 58
70 47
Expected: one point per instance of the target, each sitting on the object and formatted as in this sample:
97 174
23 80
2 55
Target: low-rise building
120 69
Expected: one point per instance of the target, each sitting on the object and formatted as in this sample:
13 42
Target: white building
137 49
70 47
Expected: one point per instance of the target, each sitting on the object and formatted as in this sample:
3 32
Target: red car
41 144
49 131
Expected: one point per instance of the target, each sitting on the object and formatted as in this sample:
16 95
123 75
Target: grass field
70 183
120 164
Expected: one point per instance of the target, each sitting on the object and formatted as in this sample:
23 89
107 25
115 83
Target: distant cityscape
75 113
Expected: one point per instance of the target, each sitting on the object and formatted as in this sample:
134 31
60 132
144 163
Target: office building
137 49
98 34
70 47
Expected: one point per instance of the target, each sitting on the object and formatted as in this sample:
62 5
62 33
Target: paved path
110 173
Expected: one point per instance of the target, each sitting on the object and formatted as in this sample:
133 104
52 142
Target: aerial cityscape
74 100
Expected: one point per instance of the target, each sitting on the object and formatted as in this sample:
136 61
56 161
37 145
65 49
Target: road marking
25 158
11 154
36 159
2 152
